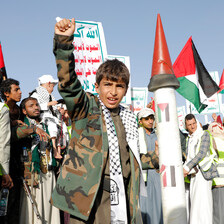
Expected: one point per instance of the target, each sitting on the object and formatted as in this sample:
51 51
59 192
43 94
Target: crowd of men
105 149
31 150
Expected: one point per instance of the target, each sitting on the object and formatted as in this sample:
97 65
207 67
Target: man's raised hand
65 27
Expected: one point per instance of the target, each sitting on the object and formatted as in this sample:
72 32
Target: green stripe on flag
190 91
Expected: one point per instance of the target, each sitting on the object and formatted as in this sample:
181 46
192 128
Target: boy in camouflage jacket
82 188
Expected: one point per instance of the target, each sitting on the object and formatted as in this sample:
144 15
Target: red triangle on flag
162 106
185 64
163 167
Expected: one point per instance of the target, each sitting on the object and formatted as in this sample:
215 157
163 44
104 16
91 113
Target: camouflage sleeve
69 86
20 132
149 160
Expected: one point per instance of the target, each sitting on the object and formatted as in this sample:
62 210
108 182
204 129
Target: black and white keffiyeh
117 190
43 95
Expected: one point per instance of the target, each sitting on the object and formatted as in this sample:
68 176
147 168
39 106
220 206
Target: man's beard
34 117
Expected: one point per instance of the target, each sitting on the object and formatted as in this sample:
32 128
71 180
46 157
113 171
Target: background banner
90 51
139 98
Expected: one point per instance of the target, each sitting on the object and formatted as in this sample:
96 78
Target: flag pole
3 75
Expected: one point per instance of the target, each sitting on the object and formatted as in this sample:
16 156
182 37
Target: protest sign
139 98
90 51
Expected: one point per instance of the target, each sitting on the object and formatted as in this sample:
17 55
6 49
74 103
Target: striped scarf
117 190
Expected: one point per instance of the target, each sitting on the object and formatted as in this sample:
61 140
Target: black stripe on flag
173 176
206 82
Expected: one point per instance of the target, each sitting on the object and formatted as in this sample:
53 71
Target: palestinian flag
196 84
168 174
221 83
163 112
2 66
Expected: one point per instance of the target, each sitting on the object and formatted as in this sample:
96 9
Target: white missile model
163 83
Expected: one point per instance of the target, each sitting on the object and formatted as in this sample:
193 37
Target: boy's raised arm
69 86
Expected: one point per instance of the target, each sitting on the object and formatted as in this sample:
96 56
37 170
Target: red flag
3 75
221 83
153 104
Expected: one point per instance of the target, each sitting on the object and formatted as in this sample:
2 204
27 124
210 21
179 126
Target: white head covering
47 78
145 112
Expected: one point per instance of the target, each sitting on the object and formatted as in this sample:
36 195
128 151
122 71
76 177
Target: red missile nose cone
161 64
161 57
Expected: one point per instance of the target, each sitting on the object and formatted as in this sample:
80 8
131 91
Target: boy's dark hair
5 87
189 117
113 70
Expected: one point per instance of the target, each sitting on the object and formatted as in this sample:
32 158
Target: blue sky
26 33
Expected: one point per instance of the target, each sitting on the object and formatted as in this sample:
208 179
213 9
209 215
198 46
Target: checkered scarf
44 97
43 94
117 190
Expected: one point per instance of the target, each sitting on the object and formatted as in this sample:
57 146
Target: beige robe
49 214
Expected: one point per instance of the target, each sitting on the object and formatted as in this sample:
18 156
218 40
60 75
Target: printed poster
139 98
90 51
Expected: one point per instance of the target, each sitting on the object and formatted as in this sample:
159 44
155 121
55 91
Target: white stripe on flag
168 176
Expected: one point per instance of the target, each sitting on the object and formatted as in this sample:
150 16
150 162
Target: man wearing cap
151 206
47 102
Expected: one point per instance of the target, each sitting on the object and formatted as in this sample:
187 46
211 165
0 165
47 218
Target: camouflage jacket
83 167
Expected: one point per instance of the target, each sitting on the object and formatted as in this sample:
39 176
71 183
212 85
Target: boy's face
147 122
15 93
111 92
49 86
